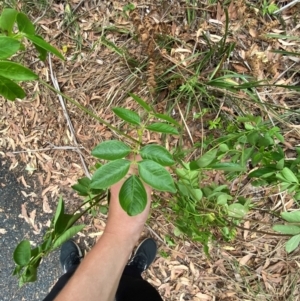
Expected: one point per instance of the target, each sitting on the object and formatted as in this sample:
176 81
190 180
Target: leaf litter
34 132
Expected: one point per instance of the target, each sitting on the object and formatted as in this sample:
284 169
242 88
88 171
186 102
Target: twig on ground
70 125
186 126
73 148
155 234
286 6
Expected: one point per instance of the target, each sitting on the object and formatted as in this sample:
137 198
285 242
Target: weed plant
248 147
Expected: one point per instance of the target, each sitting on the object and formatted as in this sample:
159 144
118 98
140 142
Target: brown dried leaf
46 207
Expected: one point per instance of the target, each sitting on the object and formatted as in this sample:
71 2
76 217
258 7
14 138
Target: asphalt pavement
16 229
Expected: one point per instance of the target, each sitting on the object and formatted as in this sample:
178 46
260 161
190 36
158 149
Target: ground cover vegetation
208 102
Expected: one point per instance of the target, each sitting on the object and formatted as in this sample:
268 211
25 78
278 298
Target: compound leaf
133 196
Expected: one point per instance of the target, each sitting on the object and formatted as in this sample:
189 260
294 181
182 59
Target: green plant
202 211
268 7
292 227
11 73
247 146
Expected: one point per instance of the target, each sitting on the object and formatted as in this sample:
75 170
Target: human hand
119 222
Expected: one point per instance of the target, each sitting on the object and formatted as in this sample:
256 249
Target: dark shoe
70 255
144 255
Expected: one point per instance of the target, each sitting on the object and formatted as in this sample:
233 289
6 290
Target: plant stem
90 113
86 210
256 231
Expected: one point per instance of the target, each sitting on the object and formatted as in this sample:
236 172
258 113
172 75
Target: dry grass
256 266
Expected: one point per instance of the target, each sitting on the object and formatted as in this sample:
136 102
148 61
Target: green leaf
280 164
262 172
156 176
253 137
83 186
196 194
128 7
162 128
31 273
272 7
127 115
10 90
44 45
40 50
111 150
110 173
82 190
158 154
237 210
289 175
227 166
24 24
223 148
297 196
8 47
292 217
16 71
17 270
7 19
22 253
223 198
67 235
133 196
85 181
63 222
292 243
141 102
256 158
167 118
287 229
205 160
59 210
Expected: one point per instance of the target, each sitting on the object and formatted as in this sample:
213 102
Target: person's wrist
123 238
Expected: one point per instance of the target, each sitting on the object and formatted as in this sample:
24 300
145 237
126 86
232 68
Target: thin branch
90 113
155 234
256 231
70 125
286 6
186 126
47 149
